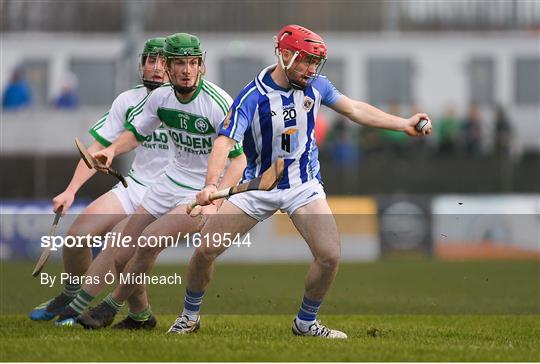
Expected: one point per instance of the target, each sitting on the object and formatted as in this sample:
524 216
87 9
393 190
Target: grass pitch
392 311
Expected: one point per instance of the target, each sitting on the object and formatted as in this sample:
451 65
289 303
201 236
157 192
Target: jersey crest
308 103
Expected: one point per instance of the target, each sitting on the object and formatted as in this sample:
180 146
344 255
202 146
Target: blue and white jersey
274 122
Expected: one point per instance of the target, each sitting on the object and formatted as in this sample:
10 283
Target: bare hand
205 212
203 197
64 199
105 156
413 121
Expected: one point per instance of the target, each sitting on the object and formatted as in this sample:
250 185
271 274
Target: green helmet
182 45
152 46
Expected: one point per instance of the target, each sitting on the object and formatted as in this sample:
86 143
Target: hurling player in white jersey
192 109
103 214
275 117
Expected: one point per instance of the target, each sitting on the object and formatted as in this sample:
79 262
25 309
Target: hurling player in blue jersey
274 116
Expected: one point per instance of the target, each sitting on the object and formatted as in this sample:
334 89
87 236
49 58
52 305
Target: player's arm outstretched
80 176
125 143
368 115
107 129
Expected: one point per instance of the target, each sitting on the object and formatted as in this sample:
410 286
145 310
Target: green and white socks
81 302
71 290
109 300
141 316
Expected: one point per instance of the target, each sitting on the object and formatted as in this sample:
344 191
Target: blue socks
308 310
192 304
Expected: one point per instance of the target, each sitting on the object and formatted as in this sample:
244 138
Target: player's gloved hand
64 199
411 130
203 197
105 156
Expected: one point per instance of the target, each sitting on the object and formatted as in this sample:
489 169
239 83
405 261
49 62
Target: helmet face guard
174 69
308 55
153 49
302 69
180 50
158 67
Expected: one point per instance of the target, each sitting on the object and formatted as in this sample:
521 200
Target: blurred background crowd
473 65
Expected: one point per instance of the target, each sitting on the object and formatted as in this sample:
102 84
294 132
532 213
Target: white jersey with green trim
152 155
192 127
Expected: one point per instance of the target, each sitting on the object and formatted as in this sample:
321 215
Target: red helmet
301 40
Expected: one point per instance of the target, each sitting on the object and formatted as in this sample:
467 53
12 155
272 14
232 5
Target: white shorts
262 204
130 197
165 195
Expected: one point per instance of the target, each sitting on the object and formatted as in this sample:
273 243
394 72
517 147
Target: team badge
308 103
201 125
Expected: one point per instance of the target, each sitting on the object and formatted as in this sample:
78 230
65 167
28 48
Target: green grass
263 338
421 310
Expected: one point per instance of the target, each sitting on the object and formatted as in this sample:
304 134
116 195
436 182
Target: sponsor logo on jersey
182 120
157 140
289 140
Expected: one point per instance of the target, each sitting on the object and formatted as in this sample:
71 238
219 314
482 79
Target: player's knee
206 254
329 261
148 252
86 224
78 226
121 257
75 243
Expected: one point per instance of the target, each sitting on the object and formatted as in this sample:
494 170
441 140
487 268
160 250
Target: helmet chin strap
184 90
151 85
294 84
282 63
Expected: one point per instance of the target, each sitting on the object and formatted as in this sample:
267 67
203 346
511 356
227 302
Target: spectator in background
472 130
394 141
448 128
17 93
371 141
344 150
69 96
503 133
